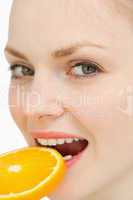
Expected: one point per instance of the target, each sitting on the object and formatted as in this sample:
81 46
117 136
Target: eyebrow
59 53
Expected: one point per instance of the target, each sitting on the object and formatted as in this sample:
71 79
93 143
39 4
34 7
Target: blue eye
19 70
84 70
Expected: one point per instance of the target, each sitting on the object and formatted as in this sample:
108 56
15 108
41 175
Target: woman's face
48 38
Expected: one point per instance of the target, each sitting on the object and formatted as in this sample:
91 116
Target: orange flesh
30 173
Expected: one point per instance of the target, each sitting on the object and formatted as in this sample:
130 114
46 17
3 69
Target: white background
10 136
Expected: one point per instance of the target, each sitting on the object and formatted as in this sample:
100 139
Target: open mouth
67 147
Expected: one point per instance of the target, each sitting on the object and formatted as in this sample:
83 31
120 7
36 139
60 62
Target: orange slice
30 173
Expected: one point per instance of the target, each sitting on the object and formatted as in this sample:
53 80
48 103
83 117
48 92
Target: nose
52 109
45 98
43 115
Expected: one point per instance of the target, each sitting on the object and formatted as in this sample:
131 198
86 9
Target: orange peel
30 173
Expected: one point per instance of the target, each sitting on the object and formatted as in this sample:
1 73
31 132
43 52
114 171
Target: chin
67 192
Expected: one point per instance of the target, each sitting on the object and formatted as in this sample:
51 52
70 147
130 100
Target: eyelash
13 67
89 64
85 63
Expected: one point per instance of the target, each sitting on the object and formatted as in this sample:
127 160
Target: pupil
89 68
27 71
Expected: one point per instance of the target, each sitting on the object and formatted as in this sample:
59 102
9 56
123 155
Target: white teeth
69 140
68 157
54 142
76 139
60 141
42 141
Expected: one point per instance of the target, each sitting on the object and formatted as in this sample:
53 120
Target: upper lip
53 135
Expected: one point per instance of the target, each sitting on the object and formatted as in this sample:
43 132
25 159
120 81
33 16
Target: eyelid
73 62
12 68
21 63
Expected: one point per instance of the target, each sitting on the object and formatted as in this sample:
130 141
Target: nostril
40 117
54 113
55 109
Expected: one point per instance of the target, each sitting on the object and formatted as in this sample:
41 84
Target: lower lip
74 159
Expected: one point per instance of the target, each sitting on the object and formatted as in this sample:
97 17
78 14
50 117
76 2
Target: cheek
109 132
15 107
12 101
109 129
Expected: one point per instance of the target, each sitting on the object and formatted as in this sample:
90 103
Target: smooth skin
51 95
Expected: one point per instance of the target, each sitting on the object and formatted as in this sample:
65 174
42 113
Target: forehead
48 23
